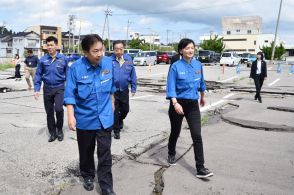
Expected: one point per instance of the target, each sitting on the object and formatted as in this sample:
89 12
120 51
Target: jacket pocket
106 83
85 88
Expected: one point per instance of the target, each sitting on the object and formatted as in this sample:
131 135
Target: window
249 32
266 41
228 32
238 30
251 50
254 42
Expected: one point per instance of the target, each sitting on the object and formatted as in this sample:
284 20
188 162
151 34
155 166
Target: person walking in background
31 63
185 80
258 73
124 75
51 71
17 62
90 104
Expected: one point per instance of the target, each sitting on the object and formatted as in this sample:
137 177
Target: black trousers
86 143
53 101
193 117
122 108
258 81
17 71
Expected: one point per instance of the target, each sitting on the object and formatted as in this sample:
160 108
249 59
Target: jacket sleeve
133 80
252 70
202 86
38 77
70 87
171 84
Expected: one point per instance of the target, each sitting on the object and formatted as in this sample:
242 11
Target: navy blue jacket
31 61
125 74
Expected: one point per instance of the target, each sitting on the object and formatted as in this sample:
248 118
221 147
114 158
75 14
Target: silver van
145 58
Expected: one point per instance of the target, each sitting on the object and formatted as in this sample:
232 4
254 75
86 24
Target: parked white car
145 58
230 59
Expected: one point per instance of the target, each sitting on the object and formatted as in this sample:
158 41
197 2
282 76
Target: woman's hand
179 108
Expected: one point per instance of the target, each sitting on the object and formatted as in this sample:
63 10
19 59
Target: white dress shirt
258 70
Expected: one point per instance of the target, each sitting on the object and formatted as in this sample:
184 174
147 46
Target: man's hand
72 123
36 95
265 78
133 94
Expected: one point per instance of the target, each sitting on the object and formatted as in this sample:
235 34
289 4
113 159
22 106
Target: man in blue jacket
90 103
124 75
52 71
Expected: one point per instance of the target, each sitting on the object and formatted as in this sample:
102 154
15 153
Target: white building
243 34
148 38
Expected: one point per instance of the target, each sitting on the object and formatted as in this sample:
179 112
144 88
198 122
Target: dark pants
17 71
258 81
86 143
122 108
53 101
193 117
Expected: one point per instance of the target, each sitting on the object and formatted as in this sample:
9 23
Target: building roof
23 34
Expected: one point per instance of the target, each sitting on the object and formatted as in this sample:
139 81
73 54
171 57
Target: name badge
105 72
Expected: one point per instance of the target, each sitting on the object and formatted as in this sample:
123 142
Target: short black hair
118 42
52 38
260 53
90 40
183 43
30 51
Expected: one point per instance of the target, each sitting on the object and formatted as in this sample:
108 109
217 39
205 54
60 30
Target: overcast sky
191 18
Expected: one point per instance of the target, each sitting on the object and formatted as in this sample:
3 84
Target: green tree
279 51
4 30
215 44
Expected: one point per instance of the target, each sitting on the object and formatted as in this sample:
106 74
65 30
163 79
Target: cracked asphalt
249 146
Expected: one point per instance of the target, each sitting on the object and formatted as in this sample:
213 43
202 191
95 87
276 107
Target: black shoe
89 184
255 97
60 136
108 192
116 135
260 101
121 126
52 138
203 173
171 159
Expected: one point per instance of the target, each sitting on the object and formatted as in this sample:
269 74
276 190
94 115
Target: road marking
212 105
222 81
274 82
140 97
229 95
270 68
146 76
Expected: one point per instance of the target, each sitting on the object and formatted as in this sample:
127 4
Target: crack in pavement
284 109
20 105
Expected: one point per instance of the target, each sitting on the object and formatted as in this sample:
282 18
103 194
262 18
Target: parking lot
248 146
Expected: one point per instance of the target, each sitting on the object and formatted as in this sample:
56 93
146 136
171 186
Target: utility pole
108 12
71 28
80 29
128 26
274 44
167 31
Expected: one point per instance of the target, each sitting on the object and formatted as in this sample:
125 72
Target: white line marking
222 81
211 105
139 97
146 76
229 95
270 68
274 82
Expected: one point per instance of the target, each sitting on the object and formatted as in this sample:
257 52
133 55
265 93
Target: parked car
207 56
145 58
132 52
162 56
244 58
230 59
108 53
251 58
71 57
171 54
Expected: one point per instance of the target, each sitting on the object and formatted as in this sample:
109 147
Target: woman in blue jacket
185 79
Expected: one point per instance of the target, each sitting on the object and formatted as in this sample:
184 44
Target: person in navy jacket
51 70
185 81
124 75
90 104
